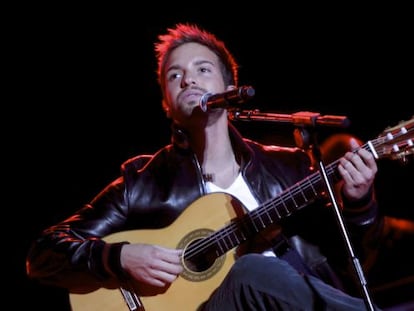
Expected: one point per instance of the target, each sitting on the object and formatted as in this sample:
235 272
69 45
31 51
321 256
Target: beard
191 115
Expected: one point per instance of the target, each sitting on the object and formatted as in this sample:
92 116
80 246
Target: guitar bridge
132 300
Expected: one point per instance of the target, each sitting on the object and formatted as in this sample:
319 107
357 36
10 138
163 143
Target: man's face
191 70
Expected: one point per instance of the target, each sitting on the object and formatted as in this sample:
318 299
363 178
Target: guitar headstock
397 142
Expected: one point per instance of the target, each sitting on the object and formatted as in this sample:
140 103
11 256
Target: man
279 263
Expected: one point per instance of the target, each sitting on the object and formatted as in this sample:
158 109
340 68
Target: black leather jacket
153 190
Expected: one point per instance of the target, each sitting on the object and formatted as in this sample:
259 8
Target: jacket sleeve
74 249
365 224
362 218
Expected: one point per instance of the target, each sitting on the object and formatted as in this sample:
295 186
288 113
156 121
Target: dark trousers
256 282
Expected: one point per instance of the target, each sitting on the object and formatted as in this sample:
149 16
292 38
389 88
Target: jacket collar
243 152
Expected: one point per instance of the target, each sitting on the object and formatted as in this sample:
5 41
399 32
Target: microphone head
228 98
203 101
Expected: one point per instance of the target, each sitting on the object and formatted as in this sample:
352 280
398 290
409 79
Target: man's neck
216 156
212 145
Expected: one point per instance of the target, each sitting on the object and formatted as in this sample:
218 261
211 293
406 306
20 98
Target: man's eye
173 76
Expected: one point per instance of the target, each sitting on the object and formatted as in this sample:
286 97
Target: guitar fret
254 223
232 237
269 218
274 211
236 238
302 191
372 149
227 246
293 200
246 222
221 242
243 237
228 241
285 206
220 251
314 192
262 222
286 200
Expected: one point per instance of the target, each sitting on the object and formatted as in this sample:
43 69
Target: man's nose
188 79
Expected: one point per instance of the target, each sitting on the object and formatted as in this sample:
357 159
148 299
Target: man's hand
358 169
151 265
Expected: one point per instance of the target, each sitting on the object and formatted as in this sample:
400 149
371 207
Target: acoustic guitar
212 226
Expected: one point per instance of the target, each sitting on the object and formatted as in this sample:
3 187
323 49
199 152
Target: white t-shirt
238 189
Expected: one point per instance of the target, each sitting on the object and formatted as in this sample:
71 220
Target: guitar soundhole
200 260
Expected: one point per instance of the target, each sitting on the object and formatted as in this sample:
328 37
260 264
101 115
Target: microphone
226 99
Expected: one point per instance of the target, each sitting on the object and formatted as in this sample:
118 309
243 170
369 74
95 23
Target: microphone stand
306 123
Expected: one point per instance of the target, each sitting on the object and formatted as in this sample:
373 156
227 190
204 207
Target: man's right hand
151 265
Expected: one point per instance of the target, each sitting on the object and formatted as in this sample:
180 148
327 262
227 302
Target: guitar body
189 291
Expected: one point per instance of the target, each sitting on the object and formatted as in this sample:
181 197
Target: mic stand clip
303 118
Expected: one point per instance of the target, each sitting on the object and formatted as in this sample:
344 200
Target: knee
253 266
256 275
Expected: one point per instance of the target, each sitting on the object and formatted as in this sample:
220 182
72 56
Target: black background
83 96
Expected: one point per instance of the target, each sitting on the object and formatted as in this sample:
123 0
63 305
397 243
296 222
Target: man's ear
166 108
